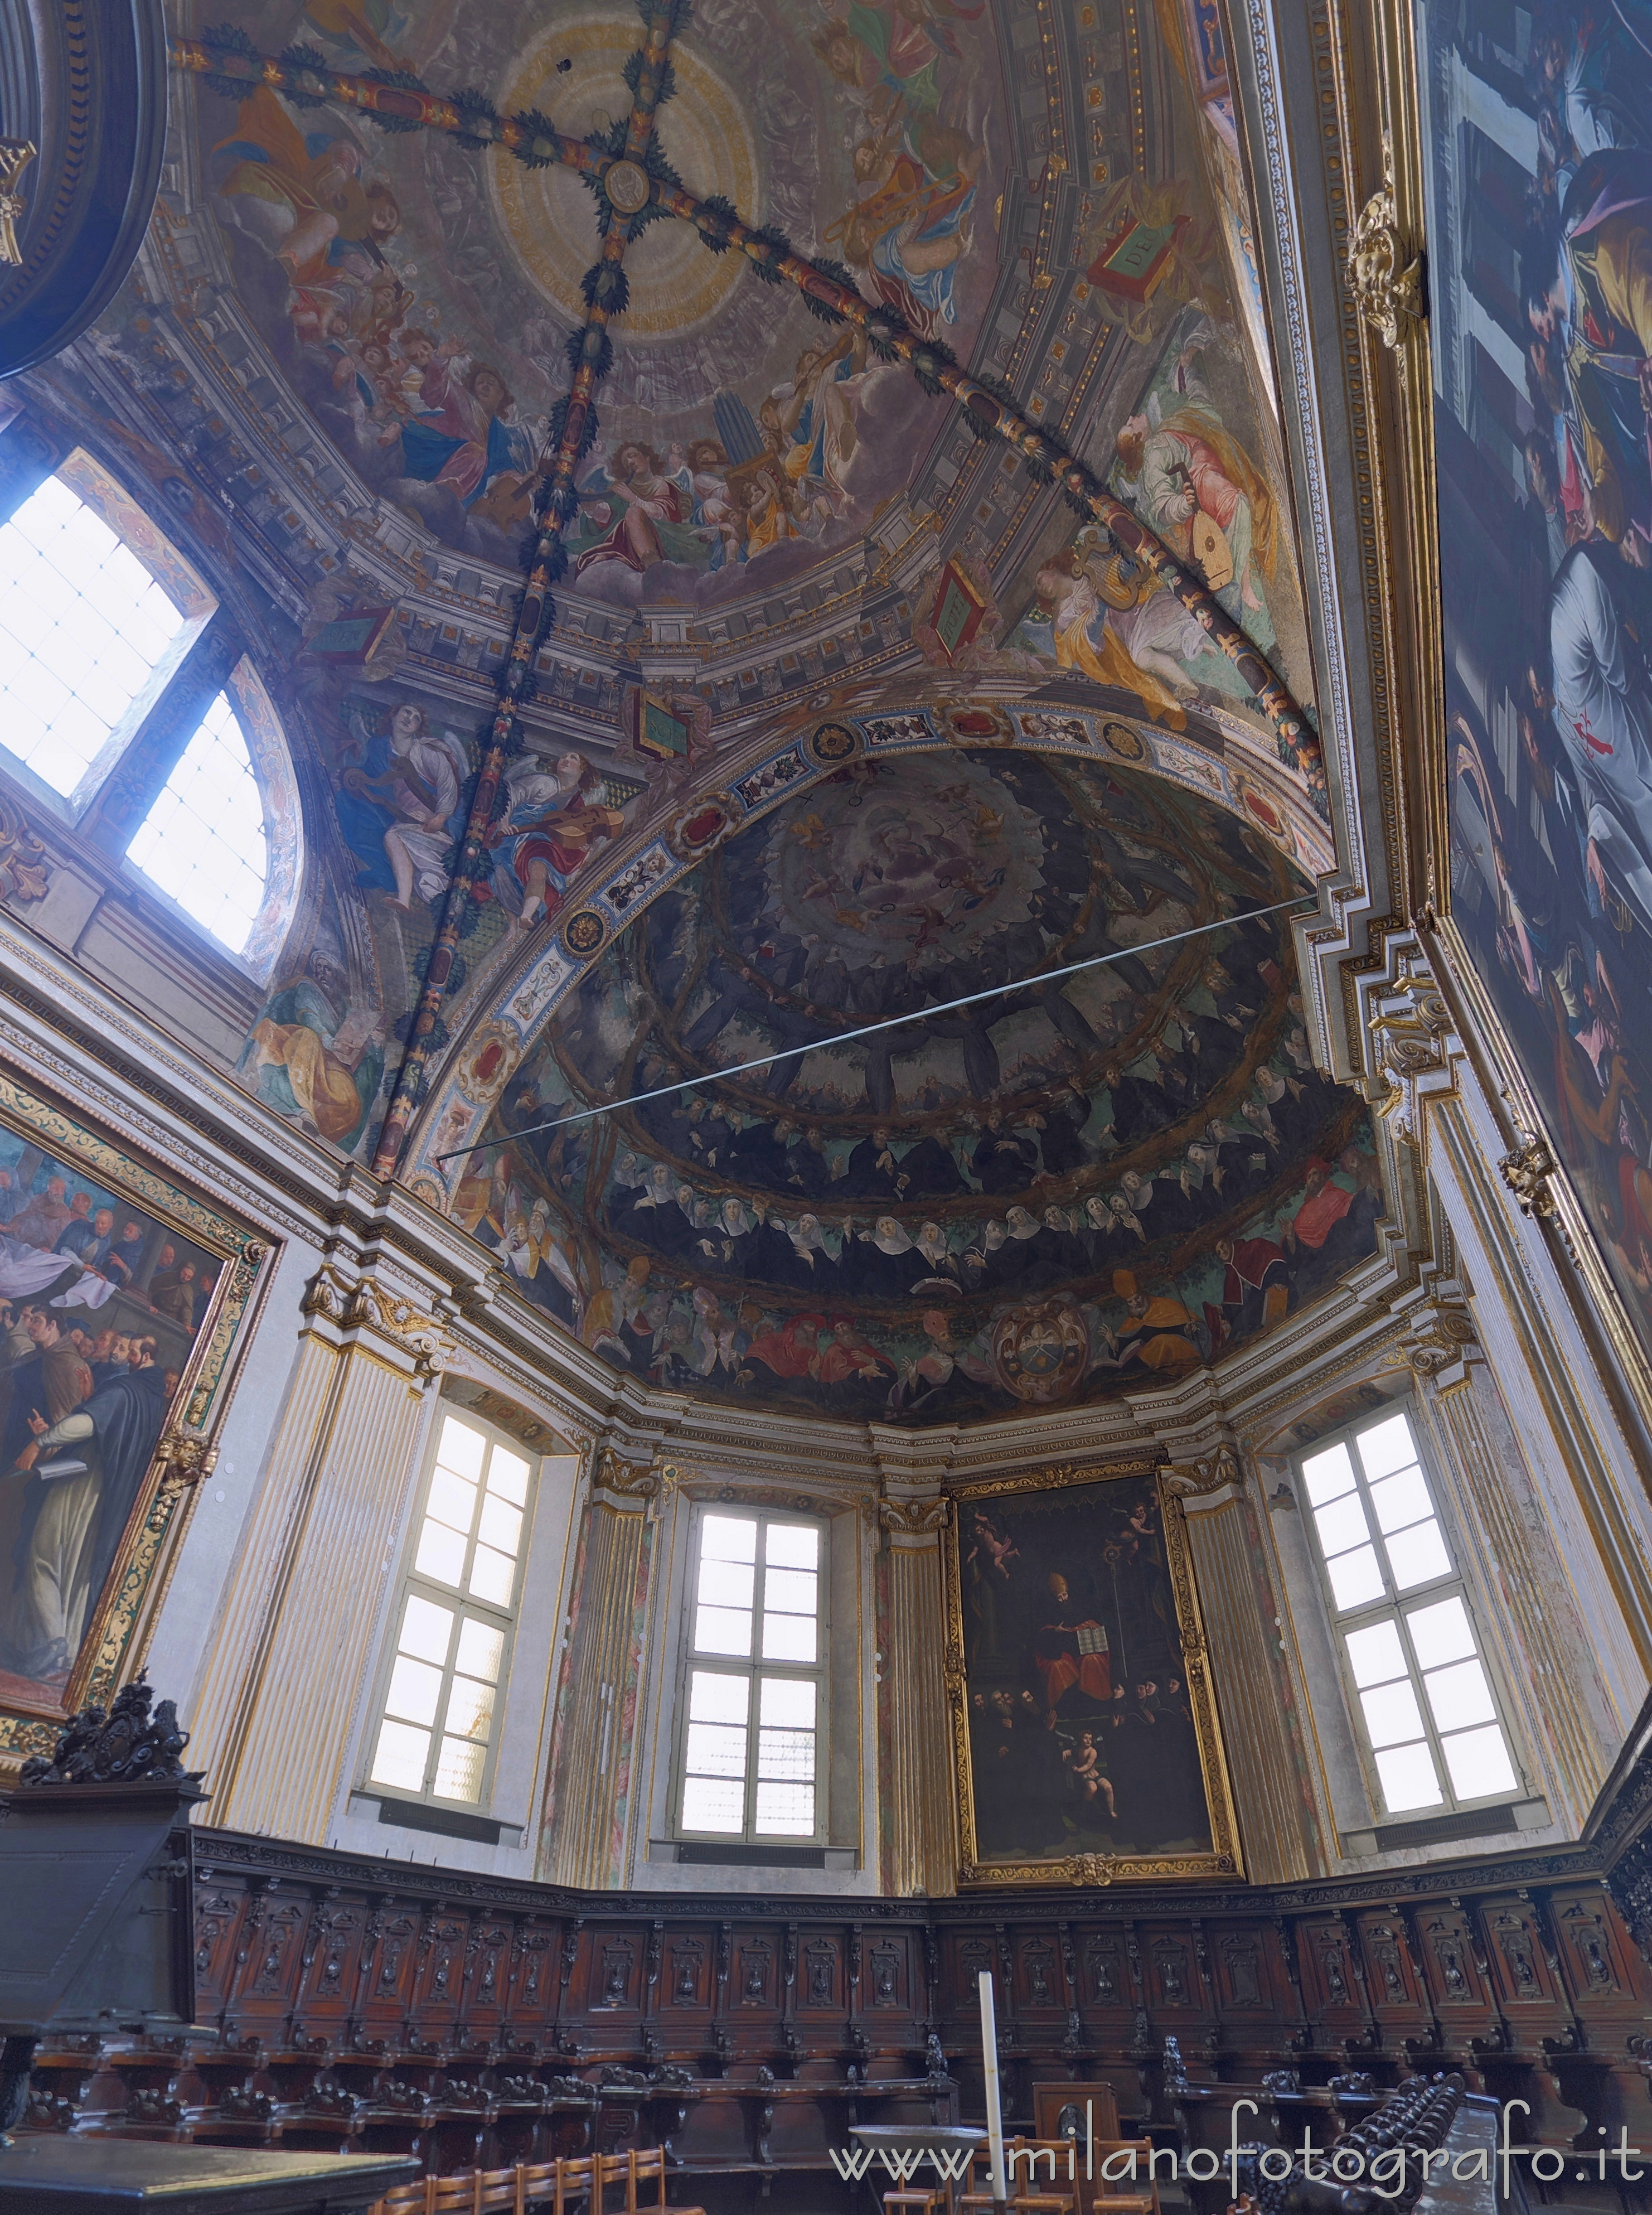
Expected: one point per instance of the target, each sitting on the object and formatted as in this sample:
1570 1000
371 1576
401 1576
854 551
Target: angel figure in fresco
400 805
1088 603
816 415
463 435
910 226
358 23
640 509
308 1061
552 818
1205 496
302 196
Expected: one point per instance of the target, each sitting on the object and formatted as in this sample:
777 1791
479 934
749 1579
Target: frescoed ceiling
368 340
1092 1184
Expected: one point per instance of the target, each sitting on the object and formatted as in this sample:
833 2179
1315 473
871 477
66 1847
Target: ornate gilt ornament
1527 1171
1091 1870
1409 1027
16 155
365 1306
626 1480
1387 284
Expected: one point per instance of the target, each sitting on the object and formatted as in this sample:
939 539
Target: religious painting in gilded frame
1085 1740
123 1296
1531 438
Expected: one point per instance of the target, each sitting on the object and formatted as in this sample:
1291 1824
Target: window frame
752 1670
411 1581
199 606
208 656
1393 1606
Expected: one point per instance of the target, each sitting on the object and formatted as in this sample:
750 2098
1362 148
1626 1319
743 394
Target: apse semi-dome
1094 1184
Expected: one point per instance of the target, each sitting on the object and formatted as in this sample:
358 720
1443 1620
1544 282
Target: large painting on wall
1539 192
121 1299
1086 1742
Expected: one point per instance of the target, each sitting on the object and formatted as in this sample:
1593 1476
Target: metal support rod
888 1024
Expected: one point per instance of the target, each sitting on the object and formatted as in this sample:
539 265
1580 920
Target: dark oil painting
1538 148
1082 1731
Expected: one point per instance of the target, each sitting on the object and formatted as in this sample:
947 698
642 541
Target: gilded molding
1209 1473
1386 279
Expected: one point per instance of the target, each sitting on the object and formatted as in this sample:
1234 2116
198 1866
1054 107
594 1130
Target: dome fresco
365 338
1090 1185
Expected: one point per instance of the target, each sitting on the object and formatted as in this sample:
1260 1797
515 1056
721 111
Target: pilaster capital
1206 1479
361 1308
915 1520
1440 1342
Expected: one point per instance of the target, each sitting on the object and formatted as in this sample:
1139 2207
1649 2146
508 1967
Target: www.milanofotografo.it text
1385 2173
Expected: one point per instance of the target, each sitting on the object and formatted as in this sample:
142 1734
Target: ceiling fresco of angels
418 299
1092 1184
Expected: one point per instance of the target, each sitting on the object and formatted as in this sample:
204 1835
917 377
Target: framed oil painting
1536 148
1086 1739
122 1296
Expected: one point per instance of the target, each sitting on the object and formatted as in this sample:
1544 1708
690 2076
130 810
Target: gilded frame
1224 1863
117 1631
1408 521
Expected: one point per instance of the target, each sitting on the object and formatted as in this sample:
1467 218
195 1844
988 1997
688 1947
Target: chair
648 2167
1019 2196
576 2180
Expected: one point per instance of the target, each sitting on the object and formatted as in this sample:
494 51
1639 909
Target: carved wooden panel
757 1981
1520 1966
886 1978
1452 1963
820 1981
1331 1984
1391 1981
1103 1976
685 1978
1242 1979
1038 1980
1173 1978
614 1979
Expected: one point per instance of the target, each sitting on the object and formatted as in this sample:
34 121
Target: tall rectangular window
1418 1682
754 1708
440 1714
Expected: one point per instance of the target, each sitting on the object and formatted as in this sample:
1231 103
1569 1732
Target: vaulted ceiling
400 277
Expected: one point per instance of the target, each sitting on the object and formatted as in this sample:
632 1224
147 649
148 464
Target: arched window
112 649
204 841
84 628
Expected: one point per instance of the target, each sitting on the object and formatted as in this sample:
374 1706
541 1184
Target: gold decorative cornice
1384 276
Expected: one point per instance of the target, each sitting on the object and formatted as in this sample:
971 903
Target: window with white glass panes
1421 1696
753 1713
450 1635
204 841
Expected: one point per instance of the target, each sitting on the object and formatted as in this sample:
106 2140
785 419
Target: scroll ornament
1387 284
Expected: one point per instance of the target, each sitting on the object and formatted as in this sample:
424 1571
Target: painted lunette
992 415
